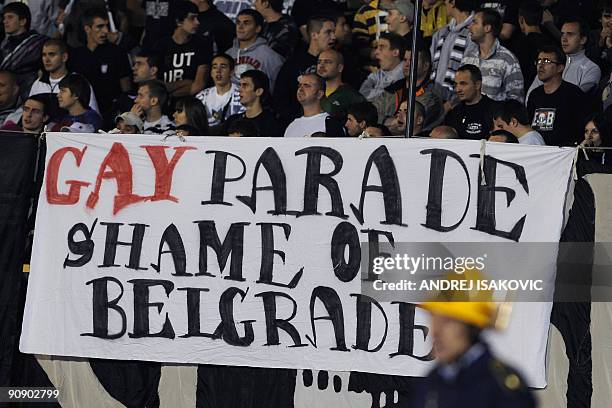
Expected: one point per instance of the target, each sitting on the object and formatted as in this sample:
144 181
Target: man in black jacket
215 25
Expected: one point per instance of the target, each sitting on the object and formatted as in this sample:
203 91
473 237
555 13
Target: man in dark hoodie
20 49
215 25
279 30
250 50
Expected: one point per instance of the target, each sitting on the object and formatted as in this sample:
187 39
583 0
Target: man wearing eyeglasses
557 108
579 69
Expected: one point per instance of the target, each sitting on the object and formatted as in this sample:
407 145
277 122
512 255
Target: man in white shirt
152 95
311 90
54 58
512 117
222 100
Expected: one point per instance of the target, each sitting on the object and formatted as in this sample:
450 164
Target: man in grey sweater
389 53
250 50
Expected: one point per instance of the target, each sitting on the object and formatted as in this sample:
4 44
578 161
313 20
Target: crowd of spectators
533 71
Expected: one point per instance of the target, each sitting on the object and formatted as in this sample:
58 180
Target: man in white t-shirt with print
311 90
223 99
512 116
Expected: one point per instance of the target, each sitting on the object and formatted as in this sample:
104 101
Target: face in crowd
180 116
308 90
401 116
221 72
344 35
8 91
97 32
477 29
387 57
33 118
12 23
592 137
353 127
394 20
126 129
190 24
328 66
326 37
248 94
246 28
143 99
53 59
571 41
548 67
142 71
467 90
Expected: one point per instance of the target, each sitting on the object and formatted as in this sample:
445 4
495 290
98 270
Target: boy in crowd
389 53
186 56
254 93
512 116
73 96
223 99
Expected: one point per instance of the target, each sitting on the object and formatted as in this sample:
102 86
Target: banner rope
483 152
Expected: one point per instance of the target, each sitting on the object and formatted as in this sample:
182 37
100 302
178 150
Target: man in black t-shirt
254 91
557 108
105 65
186 56
473 117
531 39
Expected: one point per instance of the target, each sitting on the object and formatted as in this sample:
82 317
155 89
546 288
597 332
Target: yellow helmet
467 304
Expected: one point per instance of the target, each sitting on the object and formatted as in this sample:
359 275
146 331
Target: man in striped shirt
448 46
369 22
501 73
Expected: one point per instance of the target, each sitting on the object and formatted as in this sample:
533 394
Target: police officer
467 374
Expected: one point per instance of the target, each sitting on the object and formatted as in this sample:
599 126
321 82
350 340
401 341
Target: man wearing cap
467 374
400 21
128 123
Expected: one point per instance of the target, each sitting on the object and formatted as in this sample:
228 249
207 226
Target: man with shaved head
338 95
444 132
311 89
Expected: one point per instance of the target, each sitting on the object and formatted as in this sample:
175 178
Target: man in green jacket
338 95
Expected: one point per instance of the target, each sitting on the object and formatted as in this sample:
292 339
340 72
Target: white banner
246 251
